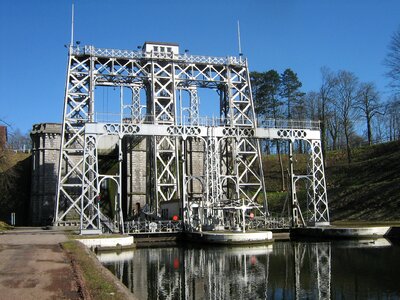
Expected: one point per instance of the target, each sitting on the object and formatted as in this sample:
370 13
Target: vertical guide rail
194 106
310 186
164 150
57 206
297 215
185 207
120 160
77 111
257 143
250 180
90 210
212 169
321 211
136 107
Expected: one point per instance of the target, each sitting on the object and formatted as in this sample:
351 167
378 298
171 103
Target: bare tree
326 94
368 103
19 141
334 128
312 100
346 96
392 61
380 128
393 118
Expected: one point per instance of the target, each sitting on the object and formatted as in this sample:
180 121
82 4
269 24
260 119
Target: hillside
15 181
368 189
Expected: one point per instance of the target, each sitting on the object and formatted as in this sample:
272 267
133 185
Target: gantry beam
141 128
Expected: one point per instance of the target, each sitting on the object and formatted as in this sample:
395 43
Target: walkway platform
34 266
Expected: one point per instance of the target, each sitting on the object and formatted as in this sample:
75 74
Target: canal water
368 269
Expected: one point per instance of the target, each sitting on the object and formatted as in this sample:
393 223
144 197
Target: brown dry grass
97 281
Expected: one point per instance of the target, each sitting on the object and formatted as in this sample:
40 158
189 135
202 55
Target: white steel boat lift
215 189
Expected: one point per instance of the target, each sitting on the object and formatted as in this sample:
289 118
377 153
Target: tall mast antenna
72 25
238 33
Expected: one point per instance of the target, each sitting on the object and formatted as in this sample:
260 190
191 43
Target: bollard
13 219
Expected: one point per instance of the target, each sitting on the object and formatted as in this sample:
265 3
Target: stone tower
46 141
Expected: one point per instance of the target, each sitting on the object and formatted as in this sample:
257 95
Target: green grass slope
368 189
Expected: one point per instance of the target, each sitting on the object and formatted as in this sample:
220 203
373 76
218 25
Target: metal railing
177 226
270 223
153 226
132 54
150 119
206 121
289 124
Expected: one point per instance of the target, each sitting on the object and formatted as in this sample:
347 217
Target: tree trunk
369 130
268 148
334 142
301 151
334 138
347 135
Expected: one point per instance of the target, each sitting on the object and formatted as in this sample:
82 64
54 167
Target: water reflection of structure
285 270
177 273
319 259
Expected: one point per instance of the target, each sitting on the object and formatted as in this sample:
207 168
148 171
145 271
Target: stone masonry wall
135 157
195 166
46 140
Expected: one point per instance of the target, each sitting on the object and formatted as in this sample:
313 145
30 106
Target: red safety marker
176 263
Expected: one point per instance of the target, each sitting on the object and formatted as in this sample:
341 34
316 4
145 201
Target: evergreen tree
266 88
290 91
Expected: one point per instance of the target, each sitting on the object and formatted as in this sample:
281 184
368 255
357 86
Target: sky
303 35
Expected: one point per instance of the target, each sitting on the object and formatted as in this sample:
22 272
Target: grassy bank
5 226
358 224
98 282
15 177
366 190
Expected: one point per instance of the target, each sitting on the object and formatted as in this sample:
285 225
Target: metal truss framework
232 171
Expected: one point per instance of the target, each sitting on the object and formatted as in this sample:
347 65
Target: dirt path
33 266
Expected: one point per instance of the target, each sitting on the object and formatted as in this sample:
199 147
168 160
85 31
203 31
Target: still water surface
283 270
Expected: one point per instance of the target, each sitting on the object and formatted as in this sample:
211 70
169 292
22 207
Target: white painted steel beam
143 129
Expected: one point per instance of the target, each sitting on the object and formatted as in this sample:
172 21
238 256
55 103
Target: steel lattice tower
231 175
